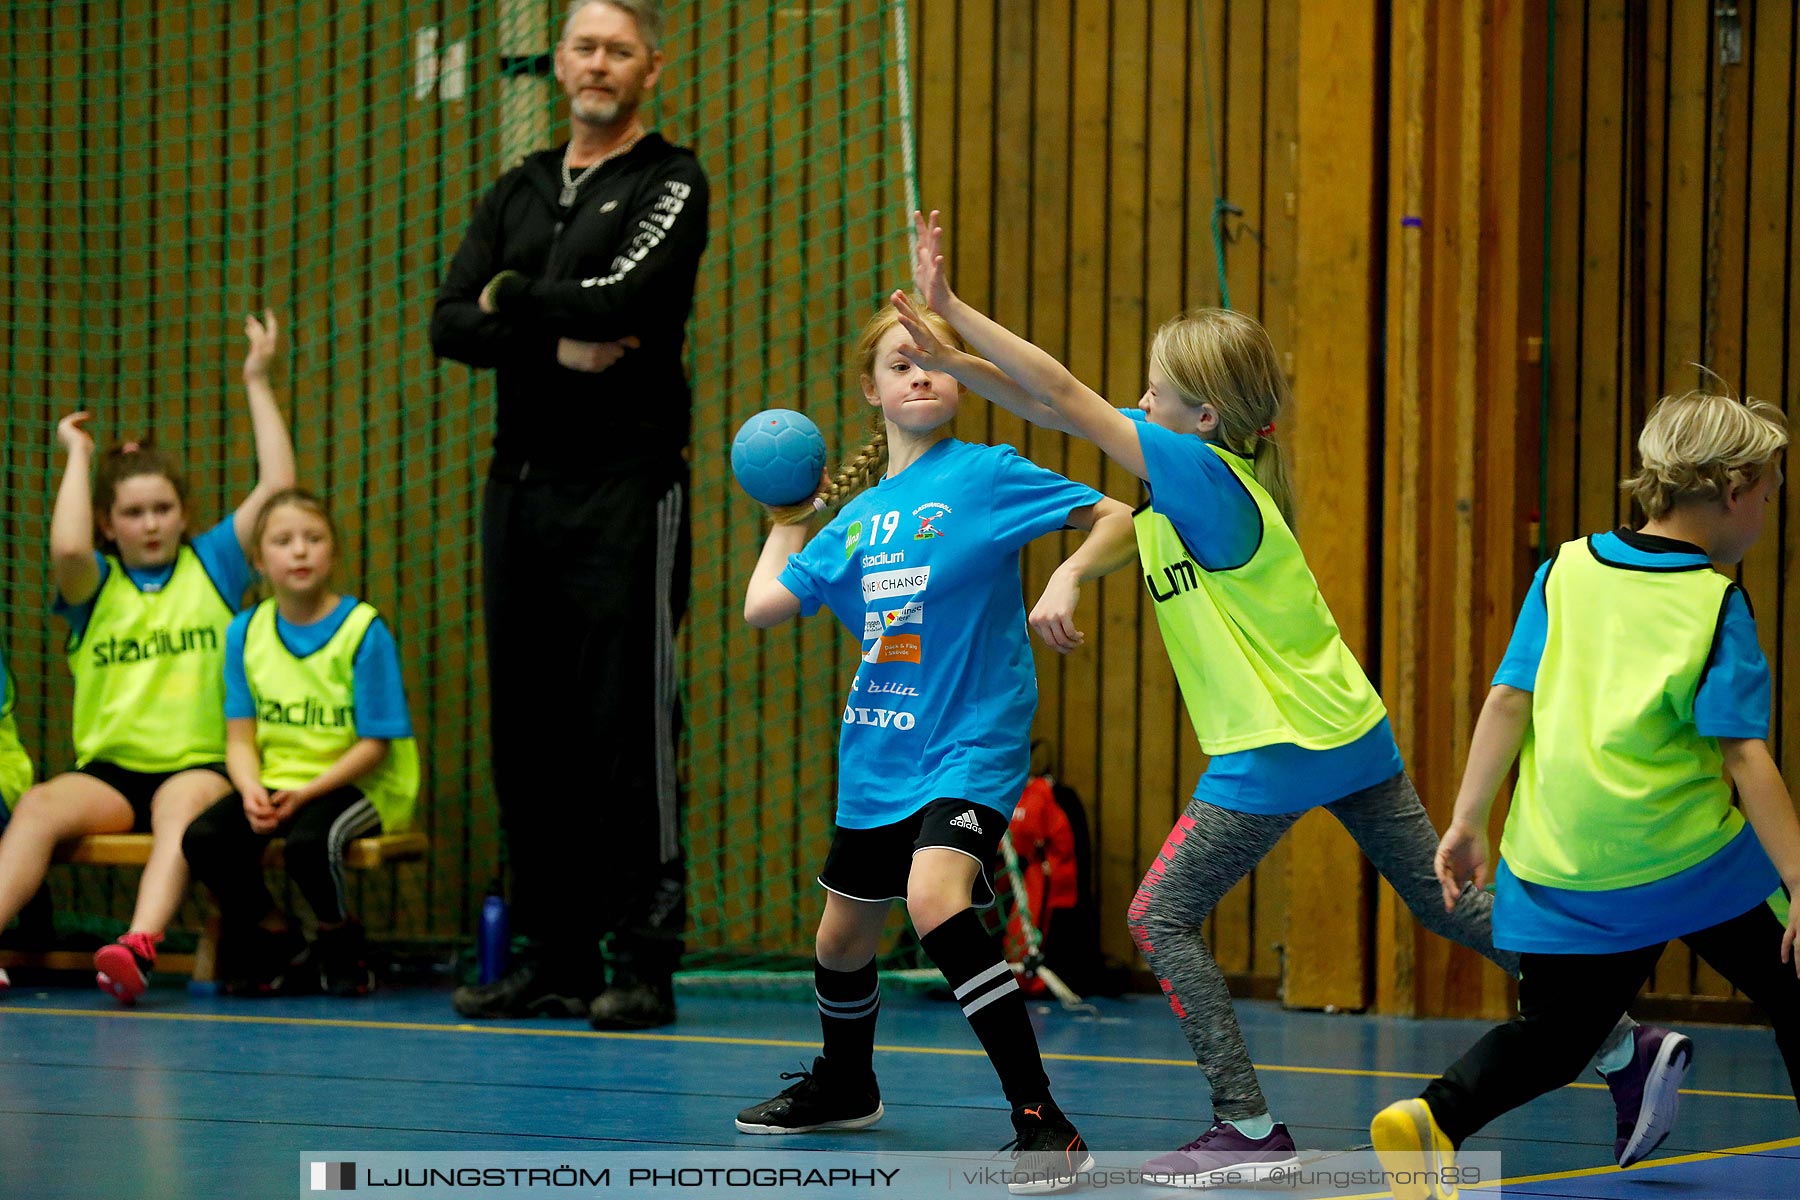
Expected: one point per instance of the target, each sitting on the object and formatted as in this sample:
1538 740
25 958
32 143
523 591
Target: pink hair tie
1267 430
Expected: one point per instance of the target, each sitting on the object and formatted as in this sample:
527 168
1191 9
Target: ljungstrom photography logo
333 1177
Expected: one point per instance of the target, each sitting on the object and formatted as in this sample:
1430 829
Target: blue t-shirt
1221 526
219 553
1732 702
378 693
923 568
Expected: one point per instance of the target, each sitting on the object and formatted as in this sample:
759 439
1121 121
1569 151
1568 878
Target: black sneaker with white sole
824 1099
1048 1153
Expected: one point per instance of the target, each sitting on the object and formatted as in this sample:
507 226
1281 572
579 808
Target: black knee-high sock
970 959
849 1002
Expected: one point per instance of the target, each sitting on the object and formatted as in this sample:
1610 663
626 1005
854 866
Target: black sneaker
529 991
259 962
633 1004
342 958
821 1100
1048 1154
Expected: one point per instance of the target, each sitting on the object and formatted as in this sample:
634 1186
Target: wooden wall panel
1080 149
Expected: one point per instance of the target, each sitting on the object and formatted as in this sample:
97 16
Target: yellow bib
150 671
16 771
306 714
1255 649
1616 785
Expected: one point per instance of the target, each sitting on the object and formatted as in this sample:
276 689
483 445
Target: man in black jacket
574 283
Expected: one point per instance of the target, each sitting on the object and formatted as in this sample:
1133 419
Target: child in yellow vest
1634 695
147 613
1281 706
16 771
321 751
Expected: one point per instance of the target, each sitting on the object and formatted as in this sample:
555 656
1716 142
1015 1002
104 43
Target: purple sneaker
1224 1157
1647 1091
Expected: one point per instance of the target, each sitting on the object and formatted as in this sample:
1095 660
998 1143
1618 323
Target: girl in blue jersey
923 568
147 609
1281 706
320 750
1634 695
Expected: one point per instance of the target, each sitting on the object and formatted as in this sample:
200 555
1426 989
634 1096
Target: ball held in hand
777 456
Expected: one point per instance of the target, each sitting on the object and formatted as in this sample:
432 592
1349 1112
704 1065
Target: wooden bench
133 850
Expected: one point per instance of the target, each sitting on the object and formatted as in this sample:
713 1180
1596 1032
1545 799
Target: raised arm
1047 382
274 448
1111 543
72 562
978 375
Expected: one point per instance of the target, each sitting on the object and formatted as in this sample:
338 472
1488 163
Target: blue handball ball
777 456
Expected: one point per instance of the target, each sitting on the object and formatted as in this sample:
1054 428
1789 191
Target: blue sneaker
1225 1157
1647 1091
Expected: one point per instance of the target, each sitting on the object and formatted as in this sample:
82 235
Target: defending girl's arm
72 562
1111 543
274 448
1044 380
977 375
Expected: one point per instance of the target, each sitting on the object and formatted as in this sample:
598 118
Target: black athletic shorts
139 787
872 864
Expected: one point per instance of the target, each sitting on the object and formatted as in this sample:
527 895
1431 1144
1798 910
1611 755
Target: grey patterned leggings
1211 848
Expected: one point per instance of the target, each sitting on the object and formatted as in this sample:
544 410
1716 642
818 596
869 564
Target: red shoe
123 968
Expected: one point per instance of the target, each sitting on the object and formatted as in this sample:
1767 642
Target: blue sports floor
187 1097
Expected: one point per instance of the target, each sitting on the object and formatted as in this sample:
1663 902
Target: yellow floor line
1584 1172
706 1040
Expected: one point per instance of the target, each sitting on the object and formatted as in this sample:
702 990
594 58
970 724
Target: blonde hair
1699 445
1223 358
865 466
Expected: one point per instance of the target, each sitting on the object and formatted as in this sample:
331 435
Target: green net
172 166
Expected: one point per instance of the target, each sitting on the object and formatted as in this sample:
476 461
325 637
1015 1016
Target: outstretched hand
264 337
931 277
927 350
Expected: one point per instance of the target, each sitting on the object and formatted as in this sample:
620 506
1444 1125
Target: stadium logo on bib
307 714
158 643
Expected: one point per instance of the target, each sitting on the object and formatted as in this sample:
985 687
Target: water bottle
494 943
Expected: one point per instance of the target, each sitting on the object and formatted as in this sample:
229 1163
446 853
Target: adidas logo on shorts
968 821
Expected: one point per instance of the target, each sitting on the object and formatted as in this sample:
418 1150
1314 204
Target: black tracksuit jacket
620 261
